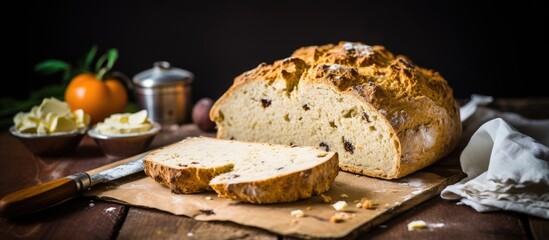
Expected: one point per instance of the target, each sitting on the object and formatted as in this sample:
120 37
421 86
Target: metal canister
165 92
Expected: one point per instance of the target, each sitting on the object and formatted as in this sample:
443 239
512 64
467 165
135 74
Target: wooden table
86 218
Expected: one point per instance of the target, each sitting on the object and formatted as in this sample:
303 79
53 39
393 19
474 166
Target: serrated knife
48 194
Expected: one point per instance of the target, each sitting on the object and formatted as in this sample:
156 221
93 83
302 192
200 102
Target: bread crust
283 188
181 180
414 101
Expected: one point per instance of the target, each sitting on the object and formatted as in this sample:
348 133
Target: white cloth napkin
507 167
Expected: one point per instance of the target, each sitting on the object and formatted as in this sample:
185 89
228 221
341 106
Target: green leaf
68 76
89 58
100 62
51 66
54 90
112 57
131 107
11 106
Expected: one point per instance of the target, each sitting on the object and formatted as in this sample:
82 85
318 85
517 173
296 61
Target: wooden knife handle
42 196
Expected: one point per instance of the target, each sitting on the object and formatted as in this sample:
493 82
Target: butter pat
416 225
51 116
297 213
340 205
122 123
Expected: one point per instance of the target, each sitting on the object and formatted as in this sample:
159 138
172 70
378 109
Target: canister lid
162 74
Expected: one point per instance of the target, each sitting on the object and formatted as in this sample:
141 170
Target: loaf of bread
251 172
385 116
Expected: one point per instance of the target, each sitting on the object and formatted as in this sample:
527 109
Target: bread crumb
436 225
365 204
294 221
308 208
340 205
110 210
343 195
190 234
416 225
91 203
340 217
209 198
326 198
297 213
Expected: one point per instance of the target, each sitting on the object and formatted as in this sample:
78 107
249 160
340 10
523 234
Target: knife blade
118 172
45 195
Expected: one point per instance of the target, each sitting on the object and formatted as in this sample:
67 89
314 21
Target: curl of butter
51 116
122 123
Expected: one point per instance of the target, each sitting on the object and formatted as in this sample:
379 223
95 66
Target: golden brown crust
181 180
279 188
416 102
283 188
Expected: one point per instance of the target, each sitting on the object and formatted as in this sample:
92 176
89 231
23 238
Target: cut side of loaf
385 116
251 172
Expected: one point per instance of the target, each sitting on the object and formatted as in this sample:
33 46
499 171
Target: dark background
479 49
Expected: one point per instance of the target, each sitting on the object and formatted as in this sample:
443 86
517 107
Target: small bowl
49 145
125 145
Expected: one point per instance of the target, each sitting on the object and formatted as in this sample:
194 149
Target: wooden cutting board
390 197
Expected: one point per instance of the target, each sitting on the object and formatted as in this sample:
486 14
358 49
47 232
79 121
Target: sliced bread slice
251 172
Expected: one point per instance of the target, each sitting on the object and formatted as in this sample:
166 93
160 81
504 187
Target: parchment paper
391 198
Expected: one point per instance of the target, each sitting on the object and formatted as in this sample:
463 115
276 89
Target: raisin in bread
385 116
252 172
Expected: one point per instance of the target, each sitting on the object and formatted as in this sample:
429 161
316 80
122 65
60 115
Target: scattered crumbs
340 205
366 204
190 234
297 213
340 217
417 191
294 221
209 198
326 198
436 225
91 204
415 183
309 208
383 226
110 210
416 225
343 195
